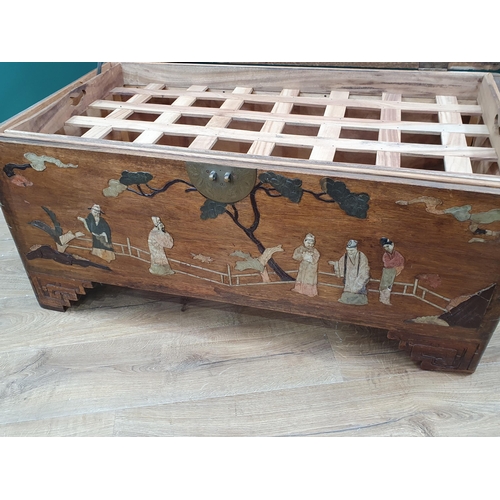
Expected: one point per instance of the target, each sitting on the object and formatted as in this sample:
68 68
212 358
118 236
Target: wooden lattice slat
296 119
330 130
431 150
453 163
386 158
421 107
489 99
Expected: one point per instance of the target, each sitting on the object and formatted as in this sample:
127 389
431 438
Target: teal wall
24 84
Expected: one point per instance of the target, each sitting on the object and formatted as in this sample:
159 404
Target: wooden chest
363 196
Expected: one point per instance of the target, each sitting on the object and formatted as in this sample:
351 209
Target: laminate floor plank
155 368
119 313
367 353
14 285
4 230
7 248
86 425
421 406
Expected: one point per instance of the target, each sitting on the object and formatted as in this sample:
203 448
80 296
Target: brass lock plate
221 183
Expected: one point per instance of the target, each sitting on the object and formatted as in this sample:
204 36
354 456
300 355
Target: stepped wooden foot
57 293
440 354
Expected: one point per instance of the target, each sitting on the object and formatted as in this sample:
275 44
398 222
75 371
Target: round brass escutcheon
220 183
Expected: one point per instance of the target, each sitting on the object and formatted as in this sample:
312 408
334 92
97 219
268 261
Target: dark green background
24 84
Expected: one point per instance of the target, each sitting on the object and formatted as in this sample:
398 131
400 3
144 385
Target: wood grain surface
128 363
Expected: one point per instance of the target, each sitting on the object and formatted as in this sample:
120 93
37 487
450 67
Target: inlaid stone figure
307 277
394 263
102 245
158 241
354 269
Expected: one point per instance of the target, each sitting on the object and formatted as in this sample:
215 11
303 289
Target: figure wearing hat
101 234
353 267
158 240
394 263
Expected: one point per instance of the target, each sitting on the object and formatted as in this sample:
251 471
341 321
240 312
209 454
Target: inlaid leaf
212 209
290 188
133 178
114 188
336 189
353 204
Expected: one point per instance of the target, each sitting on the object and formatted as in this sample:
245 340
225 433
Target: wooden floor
126 363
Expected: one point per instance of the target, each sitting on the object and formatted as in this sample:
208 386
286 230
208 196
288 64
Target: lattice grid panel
387 129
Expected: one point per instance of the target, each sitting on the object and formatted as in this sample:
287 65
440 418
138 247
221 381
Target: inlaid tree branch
269 183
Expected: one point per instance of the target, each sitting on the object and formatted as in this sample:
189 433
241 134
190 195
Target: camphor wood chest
364 196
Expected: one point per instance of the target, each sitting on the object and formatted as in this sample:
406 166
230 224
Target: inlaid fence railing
229 278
